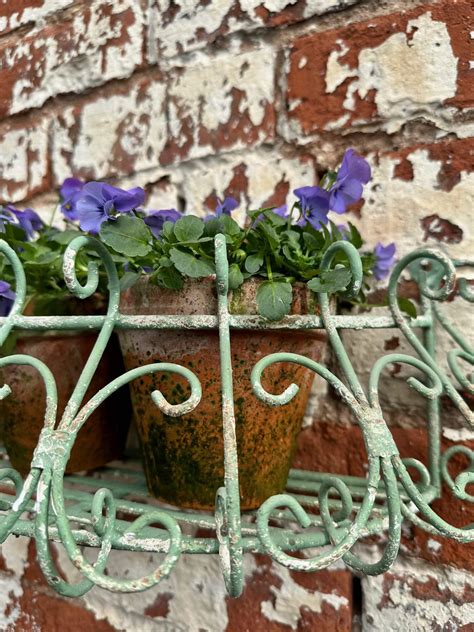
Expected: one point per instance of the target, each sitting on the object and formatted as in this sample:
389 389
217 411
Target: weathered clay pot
183 456
103 436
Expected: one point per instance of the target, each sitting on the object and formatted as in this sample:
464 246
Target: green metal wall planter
319 510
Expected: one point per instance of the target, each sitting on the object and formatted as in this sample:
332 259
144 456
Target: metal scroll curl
436 287
343 533
385 464
56 440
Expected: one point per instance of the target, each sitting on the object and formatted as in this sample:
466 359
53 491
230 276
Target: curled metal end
355 264
346 501
69 271
256 379
103 499
430 392
463 380
276 502
176 410
275 400
459 485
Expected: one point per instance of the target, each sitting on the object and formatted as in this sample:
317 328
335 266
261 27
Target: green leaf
253 263
128 235
274 299
229 226
235 276
65 237
188 228
168 232
129 279
43 259
355 238
189 265
407 306
331 281
169 277
270 234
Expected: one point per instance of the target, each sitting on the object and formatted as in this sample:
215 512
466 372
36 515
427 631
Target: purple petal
354 167
94 190
155 219
226 207
126 201
337 202
69 187
385 252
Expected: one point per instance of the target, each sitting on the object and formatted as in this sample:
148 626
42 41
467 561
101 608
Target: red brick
96 42
46 611
355 97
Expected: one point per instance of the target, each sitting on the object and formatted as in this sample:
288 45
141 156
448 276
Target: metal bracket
333 512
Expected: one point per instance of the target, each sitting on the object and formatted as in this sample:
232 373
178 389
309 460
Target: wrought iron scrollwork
348 509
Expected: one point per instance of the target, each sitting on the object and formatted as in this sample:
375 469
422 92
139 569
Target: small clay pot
184 456
103 436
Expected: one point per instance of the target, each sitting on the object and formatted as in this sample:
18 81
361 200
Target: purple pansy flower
314 204
70 191
384 260
28 220
347 189
7 298
155 219
226 207
99 202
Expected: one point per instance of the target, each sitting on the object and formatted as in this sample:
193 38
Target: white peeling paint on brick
15 552
290 598
394 207
197 594
81 57
205 92
132 125
33 13
458 435
399 609
194 24
199 180
10 588
404 71
23 160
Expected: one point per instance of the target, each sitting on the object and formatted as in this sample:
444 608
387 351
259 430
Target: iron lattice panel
111 508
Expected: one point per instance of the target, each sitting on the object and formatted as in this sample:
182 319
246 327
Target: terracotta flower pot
183 456
103 436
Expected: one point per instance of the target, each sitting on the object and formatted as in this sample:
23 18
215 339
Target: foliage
279 247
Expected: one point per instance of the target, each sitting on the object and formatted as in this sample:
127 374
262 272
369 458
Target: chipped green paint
111 509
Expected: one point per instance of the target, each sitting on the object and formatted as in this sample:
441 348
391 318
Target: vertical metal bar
433 408
233 574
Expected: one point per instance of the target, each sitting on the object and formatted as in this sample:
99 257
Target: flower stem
269 269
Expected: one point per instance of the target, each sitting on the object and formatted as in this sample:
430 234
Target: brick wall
253 98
